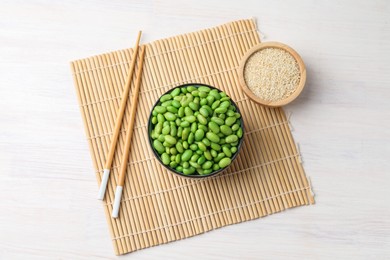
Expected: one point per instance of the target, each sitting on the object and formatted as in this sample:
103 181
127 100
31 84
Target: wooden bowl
249 92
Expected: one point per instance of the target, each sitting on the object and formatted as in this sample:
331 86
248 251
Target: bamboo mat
158 207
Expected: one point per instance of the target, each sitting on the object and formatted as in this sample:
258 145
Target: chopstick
129 134
118 123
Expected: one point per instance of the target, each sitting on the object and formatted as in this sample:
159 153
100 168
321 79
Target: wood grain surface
48 206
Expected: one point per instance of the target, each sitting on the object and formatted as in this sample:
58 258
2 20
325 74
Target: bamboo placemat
158 207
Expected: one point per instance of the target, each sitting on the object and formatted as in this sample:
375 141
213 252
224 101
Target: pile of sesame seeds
272 74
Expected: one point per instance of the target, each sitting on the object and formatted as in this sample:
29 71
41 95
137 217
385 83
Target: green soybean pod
193 106
165 159
210 100
186 165
202 146
170 116
206 141
239 133
226 130
185 145
216 167
215 94
178 121
160 118
233 149
166 130
220 110
213 153
224 162
186 156
201 160
204 89
172 164
196 113
175 92
167 150
154 113
194 127
194 164
185 134
183 90
190 119
196 100
160 109
166 123
194 157
188 171
158 128
225 104
170 139
203 127
222 116
172 109
158 146
179 147
237 115
208 171
226 151
185 124
199 134
207 165
208 108
217 120
173 151
219 157
191 138
178 158
194 147
166 103
208 156
188 111
180 112
202 94
179 131
202 120
154 120
234 143
212 137
214 127
178 98
223 94
179 168
173 131
203 102
200 152
225 98
215 146
231 139
204 112
215 105
165 97
230 120
191 88
235 127
161 138
230 113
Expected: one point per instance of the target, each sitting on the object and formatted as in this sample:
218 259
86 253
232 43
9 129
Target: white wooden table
48 206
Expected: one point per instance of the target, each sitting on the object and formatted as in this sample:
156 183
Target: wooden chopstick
118 122
129 134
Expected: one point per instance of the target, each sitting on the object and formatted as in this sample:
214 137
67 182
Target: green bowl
150 126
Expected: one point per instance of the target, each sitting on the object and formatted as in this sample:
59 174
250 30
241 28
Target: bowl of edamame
195 130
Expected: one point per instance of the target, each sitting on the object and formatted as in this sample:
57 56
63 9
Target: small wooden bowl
251 95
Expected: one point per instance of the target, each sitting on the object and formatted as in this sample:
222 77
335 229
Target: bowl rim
177 172
282 46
